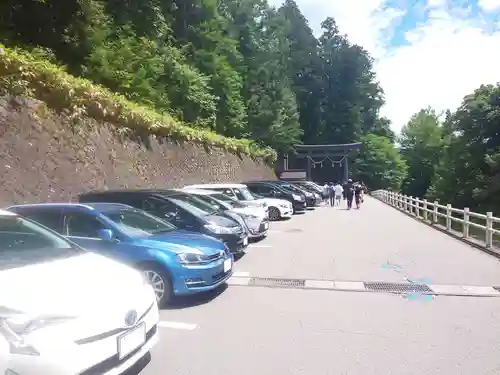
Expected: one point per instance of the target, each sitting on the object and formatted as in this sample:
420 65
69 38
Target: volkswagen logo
131 318
222 254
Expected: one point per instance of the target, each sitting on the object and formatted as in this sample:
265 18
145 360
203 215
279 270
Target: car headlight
284 205
217 229
296 197
15 327
192 258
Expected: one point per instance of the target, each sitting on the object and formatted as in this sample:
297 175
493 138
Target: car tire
159 280
274 214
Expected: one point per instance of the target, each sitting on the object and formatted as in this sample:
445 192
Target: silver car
256 219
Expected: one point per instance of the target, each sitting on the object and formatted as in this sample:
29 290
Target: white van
278 208
67 311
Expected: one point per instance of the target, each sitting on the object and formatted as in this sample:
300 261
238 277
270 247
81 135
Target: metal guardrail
434 213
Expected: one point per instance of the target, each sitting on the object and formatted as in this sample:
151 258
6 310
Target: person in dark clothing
358 189
331 196
349 193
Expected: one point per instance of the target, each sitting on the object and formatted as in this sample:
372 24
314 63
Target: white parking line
241 274
177 325
259 246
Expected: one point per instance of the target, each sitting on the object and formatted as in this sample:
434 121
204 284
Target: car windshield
228 200
216 205
258 196
244 194
138 223
305 187
193 204
291 187
23 242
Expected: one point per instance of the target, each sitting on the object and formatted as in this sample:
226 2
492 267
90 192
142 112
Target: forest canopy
240 68
252 77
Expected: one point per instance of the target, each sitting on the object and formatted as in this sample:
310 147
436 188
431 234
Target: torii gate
319 154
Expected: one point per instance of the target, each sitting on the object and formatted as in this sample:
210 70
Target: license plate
227 265
131 340
266 225
245 241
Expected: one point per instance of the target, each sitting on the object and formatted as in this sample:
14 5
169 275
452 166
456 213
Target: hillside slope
47 157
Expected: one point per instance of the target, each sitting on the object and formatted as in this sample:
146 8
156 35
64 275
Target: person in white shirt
326 193
338 189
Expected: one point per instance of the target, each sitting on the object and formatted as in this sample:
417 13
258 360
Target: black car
270 190
185 211
310 197
307 185
303 185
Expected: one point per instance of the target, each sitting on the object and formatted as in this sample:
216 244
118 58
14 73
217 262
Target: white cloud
446 57
489 5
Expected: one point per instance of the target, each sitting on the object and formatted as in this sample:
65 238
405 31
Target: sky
427 52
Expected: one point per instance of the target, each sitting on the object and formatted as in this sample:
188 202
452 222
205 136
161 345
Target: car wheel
160 281
274 214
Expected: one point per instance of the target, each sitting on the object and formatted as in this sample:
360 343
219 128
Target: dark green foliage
456 159
238 67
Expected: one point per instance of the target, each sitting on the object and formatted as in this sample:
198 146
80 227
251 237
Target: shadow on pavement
238 256
185 302
256 240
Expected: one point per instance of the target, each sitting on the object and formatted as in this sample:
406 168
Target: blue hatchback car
175 262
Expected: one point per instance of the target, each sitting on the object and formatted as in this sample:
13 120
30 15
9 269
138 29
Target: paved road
274 331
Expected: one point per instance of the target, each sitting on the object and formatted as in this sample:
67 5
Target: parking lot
246 329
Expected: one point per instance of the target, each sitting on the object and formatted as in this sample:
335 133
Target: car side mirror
105 234
274 193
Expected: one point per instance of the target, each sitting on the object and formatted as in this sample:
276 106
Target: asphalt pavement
286 329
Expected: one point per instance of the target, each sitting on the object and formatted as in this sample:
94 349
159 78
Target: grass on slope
21 73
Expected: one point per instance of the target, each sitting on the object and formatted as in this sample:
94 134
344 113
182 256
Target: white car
256 219
278 208
67 311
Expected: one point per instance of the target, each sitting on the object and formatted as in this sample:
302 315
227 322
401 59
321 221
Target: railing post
489 229
425 209
448 216
410 205
435 213
417 208
465 225
405 200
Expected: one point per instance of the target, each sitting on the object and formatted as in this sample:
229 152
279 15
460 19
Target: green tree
304 70
420 146
351 98
273 117
469 172
378 163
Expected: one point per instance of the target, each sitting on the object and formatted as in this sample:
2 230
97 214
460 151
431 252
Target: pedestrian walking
326 194
331 195
358 194
338 190
349 193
